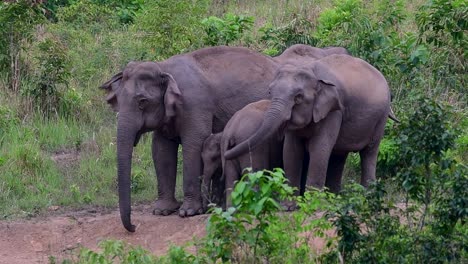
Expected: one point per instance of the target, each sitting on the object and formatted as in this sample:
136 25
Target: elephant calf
244 123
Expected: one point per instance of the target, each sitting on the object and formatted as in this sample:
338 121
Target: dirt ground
61 235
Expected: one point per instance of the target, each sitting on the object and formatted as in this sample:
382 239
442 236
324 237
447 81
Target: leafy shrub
243 227
298 31
127 10
51 80
423 138
443 22
227 30
8 119
18 20
427 226
113 251
442 25
87 14
171 27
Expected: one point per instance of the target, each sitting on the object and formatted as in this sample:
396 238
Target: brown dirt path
33 241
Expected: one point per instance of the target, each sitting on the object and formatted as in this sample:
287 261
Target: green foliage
420 49
371 229
426 227
342 12
113 251
245 225
443 23
372 34
388 159
53 73
423 138
227 30
171 27
8 119
280 38
18 20
128 10
253 230
87 13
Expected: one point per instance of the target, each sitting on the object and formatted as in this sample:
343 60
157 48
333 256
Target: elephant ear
172 96
326 100
111 87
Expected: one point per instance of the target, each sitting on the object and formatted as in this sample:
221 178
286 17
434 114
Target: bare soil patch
61 235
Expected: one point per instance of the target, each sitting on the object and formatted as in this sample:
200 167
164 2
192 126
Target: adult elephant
298 53
330 107
183 99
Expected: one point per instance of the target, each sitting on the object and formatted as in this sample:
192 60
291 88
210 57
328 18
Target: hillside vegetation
57 135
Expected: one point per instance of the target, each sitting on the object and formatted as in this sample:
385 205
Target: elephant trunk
126 135
278 113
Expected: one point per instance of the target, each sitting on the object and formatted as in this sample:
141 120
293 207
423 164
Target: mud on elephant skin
243 124
332 106
183 99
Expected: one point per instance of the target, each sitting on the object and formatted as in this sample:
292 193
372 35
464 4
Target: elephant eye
142 102
298 99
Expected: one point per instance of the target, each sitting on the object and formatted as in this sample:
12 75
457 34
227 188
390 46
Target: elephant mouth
138 136
282 129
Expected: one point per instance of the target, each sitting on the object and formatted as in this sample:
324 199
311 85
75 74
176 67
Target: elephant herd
231 108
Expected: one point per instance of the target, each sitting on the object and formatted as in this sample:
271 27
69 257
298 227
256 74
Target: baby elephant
242 124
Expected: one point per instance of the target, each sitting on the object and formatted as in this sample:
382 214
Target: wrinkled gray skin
332 106
183 99
239 128
299 53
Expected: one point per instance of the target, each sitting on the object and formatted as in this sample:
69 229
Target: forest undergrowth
57 135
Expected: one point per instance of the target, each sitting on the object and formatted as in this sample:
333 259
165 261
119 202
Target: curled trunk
275 116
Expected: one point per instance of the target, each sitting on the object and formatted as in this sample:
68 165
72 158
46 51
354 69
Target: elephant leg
196 128
369 154
293 156
320 147
260 158
207 190
165 161
231 174
368 164
335 168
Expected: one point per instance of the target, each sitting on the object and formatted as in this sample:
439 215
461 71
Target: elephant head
301 95
146 99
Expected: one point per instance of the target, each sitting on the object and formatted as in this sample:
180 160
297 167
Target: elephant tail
392 116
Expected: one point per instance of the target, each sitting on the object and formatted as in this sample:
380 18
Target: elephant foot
289 205
166 207
190 208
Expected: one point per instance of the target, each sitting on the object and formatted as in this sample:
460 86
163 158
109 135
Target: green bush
298 31
442 25
227 30
18 20
171 27
51 79
87 14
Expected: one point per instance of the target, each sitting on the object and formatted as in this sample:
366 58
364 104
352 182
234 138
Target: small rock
53 208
